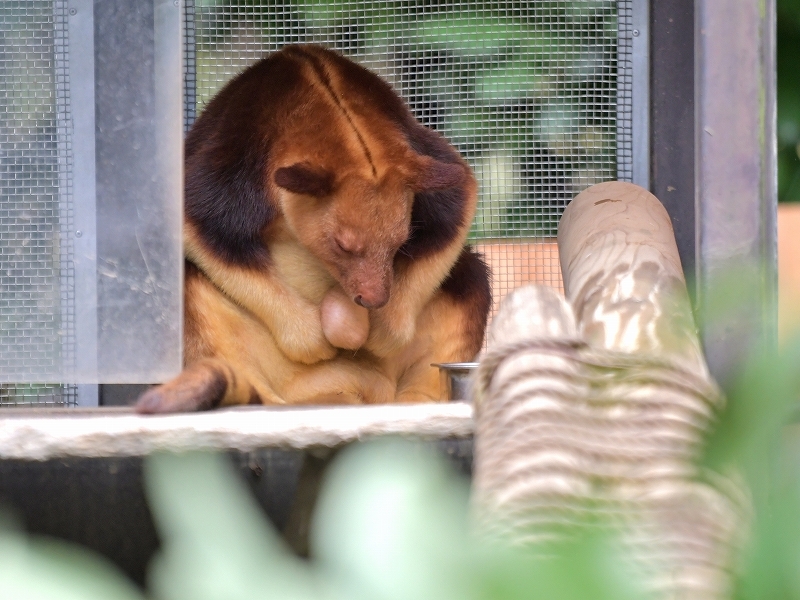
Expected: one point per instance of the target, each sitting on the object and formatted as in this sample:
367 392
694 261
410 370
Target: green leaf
39 568
761 402
586 563
517 80
391 522
216 542
475 34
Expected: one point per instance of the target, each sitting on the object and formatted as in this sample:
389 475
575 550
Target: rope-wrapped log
622 274
600 403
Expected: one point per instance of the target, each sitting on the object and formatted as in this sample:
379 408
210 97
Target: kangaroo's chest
299 269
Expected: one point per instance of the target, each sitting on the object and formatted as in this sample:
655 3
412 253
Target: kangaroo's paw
200 386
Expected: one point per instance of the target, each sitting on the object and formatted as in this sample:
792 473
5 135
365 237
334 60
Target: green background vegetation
492 99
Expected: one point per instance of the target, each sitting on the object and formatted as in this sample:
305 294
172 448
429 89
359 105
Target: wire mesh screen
36 303
535 95
527 91
625 91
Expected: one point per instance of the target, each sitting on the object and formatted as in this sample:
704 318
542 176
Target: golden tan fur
356 197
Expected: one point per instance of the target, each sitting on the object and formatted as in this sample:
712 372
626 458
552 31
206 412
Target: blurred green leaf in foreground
758 438
392 523
39 568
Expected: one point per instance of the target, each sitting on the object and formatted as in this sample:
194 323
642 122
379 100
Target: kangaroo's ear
432 174
305 178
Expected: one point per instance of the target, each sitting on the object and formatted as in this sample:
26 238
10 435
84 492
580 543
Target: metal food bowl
455 379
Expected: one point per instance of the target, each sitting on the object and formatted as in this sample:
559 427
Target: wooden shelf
41 434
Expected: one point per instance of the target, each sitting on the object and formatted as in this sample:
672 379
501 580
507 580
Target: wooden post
600 405
524 393
623 276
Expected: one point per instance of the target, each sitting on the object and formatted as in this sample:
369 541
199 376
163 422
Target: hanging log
623 277
600 405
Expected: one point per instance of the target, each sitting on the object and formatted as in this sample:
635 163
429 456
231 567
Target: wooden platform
36 434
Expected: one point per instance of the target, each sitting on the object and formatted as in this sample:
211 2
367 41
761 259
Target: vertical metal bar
641 93
138 113
736 176
168 91
624 138
88 394
82 79
66 328
672 120
633 92
169 97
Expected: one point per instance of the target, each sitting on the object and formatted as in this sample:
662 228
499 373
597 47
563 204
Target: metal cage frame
709 159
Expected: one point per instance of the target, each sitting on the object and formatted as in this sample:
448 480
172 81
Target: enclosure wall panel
540 97
91 186
37 327
138 104
736 189
30 160
672 120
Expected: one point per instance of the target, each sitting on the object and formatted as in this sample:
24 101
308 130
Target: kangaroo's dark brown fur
309 182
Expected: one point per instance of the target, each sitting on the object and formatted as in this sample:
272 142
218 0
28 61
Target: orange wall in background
519 263
788 268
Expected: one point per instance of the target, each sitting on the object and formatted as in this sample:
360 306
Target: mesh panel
527 91
189 66
536 96
625 92
38 395
36 305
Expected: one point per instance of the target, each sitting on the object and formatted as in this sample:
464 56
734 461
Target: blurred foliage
752 440
757 439
392 523
39 568
788 100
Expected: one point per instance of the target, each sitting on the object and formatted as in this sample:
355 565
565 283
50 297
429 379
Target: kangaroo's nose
370 303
